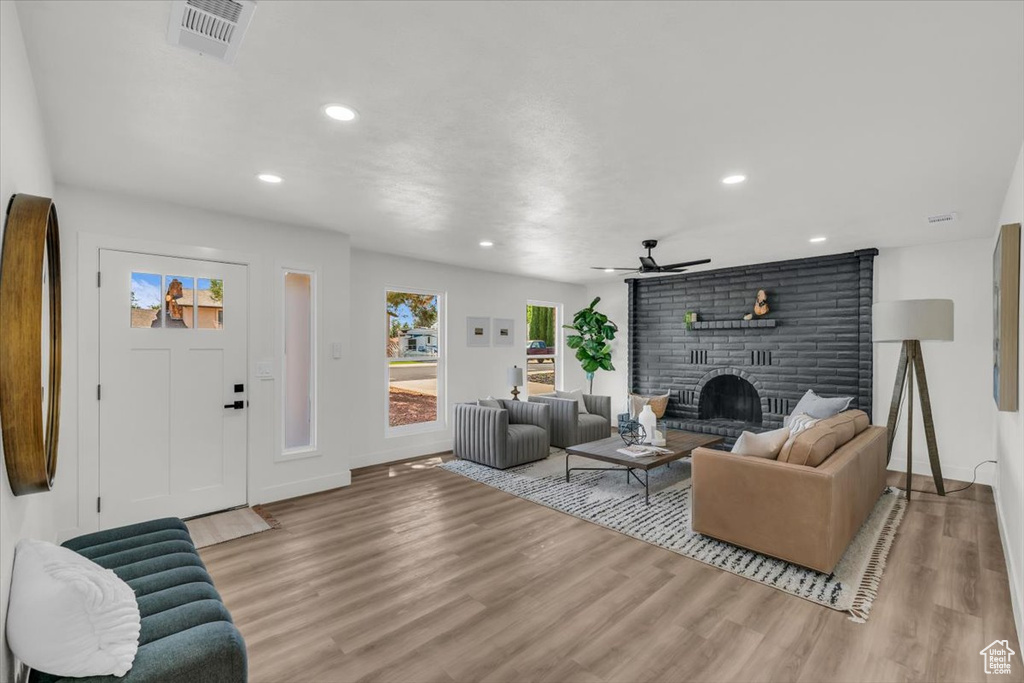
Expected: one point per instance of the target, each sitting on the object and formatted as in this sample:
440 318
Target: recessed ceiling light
487 243
340 112
817 240
733 179
609 270
270 178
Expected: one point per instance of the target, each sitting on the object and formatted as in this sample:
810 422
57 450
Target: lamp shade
920 319
515 376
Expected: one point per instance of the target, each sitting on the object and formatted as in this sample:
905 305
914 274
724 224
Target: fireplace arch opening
730 397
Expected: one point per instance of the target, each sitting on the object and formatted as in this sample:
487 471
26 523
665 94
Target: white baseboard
986 473
294 489
413 451
1012 570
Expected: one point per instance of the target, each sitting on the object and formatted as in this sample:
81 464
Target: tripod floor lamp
910 322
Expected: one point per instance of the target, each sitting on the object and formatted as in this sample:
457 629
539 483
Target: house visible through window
413 356
176 301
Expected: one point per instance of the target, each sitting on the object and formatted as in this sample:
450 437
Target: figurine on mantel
760 306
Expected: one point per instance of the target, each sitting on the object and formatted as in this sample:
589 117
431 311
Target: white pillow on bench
68 616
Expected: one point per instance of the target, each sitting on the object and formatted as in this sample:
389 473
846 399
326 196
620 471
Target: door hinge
98 392
97 278
99 505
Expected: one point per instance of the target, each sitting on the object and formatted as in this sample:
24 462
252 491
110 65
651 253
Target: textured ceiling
566 132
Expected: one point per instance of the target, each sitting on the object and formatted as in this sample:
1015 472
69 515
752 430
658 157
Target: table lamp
910 322
515 380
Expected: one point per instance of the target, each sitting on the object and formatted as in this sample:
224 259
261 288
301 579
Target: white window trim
441 423
312 449
558 355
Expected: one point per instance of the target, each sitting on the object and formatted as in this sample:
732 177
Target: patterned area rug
607 499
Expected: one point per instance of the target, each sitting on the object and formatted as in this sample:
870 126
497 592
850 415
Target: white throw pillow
819 406
68 616
576 395
763 445
798 422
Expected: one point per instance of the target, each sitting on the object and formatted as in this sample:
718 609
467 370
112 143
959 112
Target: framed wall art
478 331
504 332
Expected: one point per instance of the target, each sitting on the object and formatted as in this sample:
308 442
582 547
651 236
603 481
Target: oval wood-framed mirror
29 265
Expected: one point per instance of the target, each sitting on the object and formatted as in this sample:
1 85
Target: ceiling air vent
942 218
210 27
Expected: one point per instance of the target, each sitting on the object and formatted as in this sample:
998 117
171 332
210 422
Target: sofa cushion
820 406
593 427
843 426
574 395
763 445
810 447
658 403
68 615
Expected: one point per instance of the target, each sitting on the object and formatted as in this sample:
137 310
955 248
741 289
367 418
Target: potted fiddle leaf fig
593 332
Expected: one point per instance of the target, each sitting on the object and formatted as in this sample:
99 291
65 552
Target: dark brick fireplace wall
816 336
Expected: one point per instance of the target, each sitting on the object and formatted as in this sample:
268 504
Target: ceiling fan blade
686 264
601 268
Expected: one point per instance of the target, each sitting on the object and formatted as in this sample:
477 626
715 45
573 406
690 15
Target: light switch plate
264 369
336 350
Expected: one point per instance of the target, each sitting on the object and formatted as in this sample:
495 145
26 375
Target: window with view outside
413 352
541 348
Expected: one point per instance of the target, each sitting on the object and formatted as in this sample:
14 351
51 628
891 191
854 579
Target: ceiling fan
648 264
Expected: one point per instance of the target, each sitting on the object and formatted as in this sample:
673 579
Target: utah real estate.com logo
997 657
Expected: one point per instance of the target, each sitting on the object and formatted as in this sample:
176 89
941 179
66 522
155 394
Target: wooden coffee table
678 443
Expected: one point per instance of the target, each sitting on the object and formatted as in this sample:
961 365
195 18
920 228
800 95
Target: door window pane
178 302
541 348
413 352
298 360
209 303
146 289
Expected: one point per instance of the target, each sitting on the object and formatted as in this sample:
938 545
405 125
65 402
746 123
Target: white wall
91 219
959 372
472 373
24 167
1009 434
614 304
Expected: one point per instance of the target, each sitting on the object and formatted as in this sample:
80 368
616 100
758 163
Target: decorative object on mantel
1006 317
593 332
515 380
910 322
690 317
632 432
760 306
478 331
30 264
504 331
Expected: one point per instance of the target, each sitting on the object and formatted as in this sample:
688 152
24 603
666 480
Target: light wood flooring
416 574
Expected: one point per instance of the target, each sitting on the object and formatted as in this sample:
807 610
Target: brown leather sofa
806 506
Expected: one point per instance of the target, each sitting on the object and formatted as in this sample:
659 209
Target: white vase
649 422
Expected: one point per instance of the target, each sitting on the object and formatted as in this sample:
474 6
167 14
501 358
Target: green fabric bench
187 633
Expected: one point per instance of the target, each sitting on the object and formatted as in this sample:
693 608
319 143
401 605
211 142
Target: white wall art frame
504 332
478 331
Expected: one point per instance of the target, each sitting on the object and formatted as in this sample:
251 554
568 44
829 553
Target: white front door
172 392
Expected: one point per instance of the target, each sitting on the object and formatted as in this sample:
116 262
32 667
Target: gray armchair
514 434
569 427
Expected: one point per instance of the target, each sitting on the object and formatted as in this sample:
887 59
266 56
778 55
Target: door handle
237 405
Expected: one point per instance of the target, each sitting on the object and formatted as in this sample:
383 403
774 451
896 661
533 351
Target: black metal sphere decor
632 432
